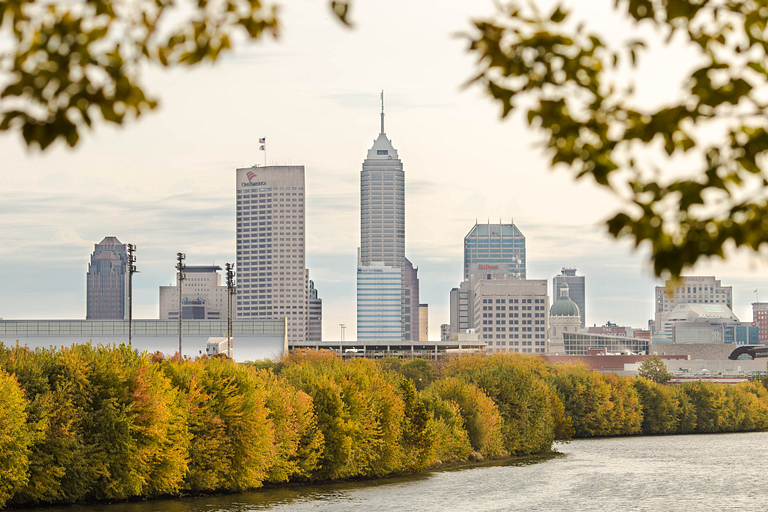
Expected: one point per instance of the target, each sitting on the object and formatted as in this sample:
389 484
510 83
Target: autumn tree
65 65
570 83
14 438
654 369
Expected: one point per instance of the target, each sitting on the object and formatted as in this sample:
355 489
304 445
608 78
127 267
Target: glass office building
494 245
107 281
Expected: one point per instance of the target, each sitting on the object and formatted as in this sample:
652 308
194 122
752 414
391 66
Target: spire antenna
382 111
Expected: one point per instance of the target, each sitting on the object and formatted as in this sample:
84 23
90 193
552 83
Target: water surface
668 473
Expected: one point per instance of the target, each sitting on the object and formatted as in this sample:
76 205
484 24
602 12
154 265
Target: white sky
166 181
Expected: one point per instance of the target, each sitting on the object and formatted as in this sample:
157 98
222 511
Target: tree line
91 423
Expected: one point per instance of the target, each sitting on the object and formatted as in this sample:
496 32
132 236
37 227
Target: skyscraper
272 281
107 281
382 249
577 290
494 245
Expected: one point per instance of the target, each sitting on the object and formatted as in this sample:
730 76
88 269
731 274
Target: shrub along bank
91 423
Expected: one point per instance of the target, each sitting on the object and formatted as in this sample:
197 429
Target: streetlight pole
231 290
180 266
131 270
341 343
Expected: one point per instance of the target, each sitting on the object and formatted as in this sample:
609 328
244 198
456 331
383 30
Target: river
669 473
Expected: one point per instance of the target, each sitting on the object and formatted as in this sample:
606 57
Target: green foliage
418 430
654 369
102 423
481 418
298 441
67 64
566 79
357 410
14 438
451 438
418 371
524 402
232 440
660 407
107 423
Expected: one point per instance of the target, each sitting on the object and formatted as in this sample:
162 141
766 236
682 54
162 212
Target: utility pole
131 270
180 266
341 343
231 291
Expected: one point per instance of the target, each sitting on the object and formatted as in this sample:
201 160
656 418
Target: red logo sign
488 267
251 175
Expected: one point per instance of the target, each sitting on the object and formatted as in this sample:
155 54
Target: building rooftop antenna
382 111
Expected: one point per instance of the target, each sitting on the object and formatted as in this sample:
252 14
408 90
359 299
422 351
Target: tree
70 62
569 82
654 369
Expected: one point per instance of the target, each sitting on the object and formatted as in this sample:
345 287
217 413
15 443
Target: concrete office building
423 322
445 332
690 290
315 325
202 296
382 248
107 281
577 290
272 280
494 245
509 314
760 319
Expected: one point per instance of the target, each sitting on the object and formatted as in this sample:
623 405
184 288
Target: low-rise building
202 296
252 339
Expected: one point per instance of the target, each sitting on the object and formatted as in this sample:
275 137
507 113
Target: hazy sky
166 182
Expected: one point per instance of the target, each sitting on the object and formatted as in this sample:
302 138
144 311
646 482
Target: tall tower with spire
387 283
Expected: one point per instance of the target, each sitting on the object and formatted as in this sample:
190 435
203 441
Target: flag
263 147
262 140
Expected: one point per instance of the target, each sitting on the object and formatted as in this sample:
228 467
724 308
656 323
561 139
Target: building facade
202 296
690 290
577 290
760 319
493 245
272 279
382 247
563 317
251 339
315 323
107 281
378 303
423 322
581 343
445 332
509 314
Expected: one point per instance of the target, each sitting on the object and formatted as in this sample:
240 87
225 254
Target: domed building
563 316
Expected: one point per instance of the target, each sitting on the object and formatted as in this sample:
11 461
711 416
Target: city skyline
164 184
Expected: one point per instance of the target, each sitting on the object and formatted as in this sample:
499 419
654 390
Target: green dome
564 306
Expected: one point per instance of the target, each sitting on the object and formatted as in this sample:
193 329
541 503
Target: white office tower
382 250
689 290
272 282
509 314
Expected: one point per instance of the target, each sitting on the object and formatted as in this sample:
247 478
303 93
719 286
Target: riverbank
670 473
